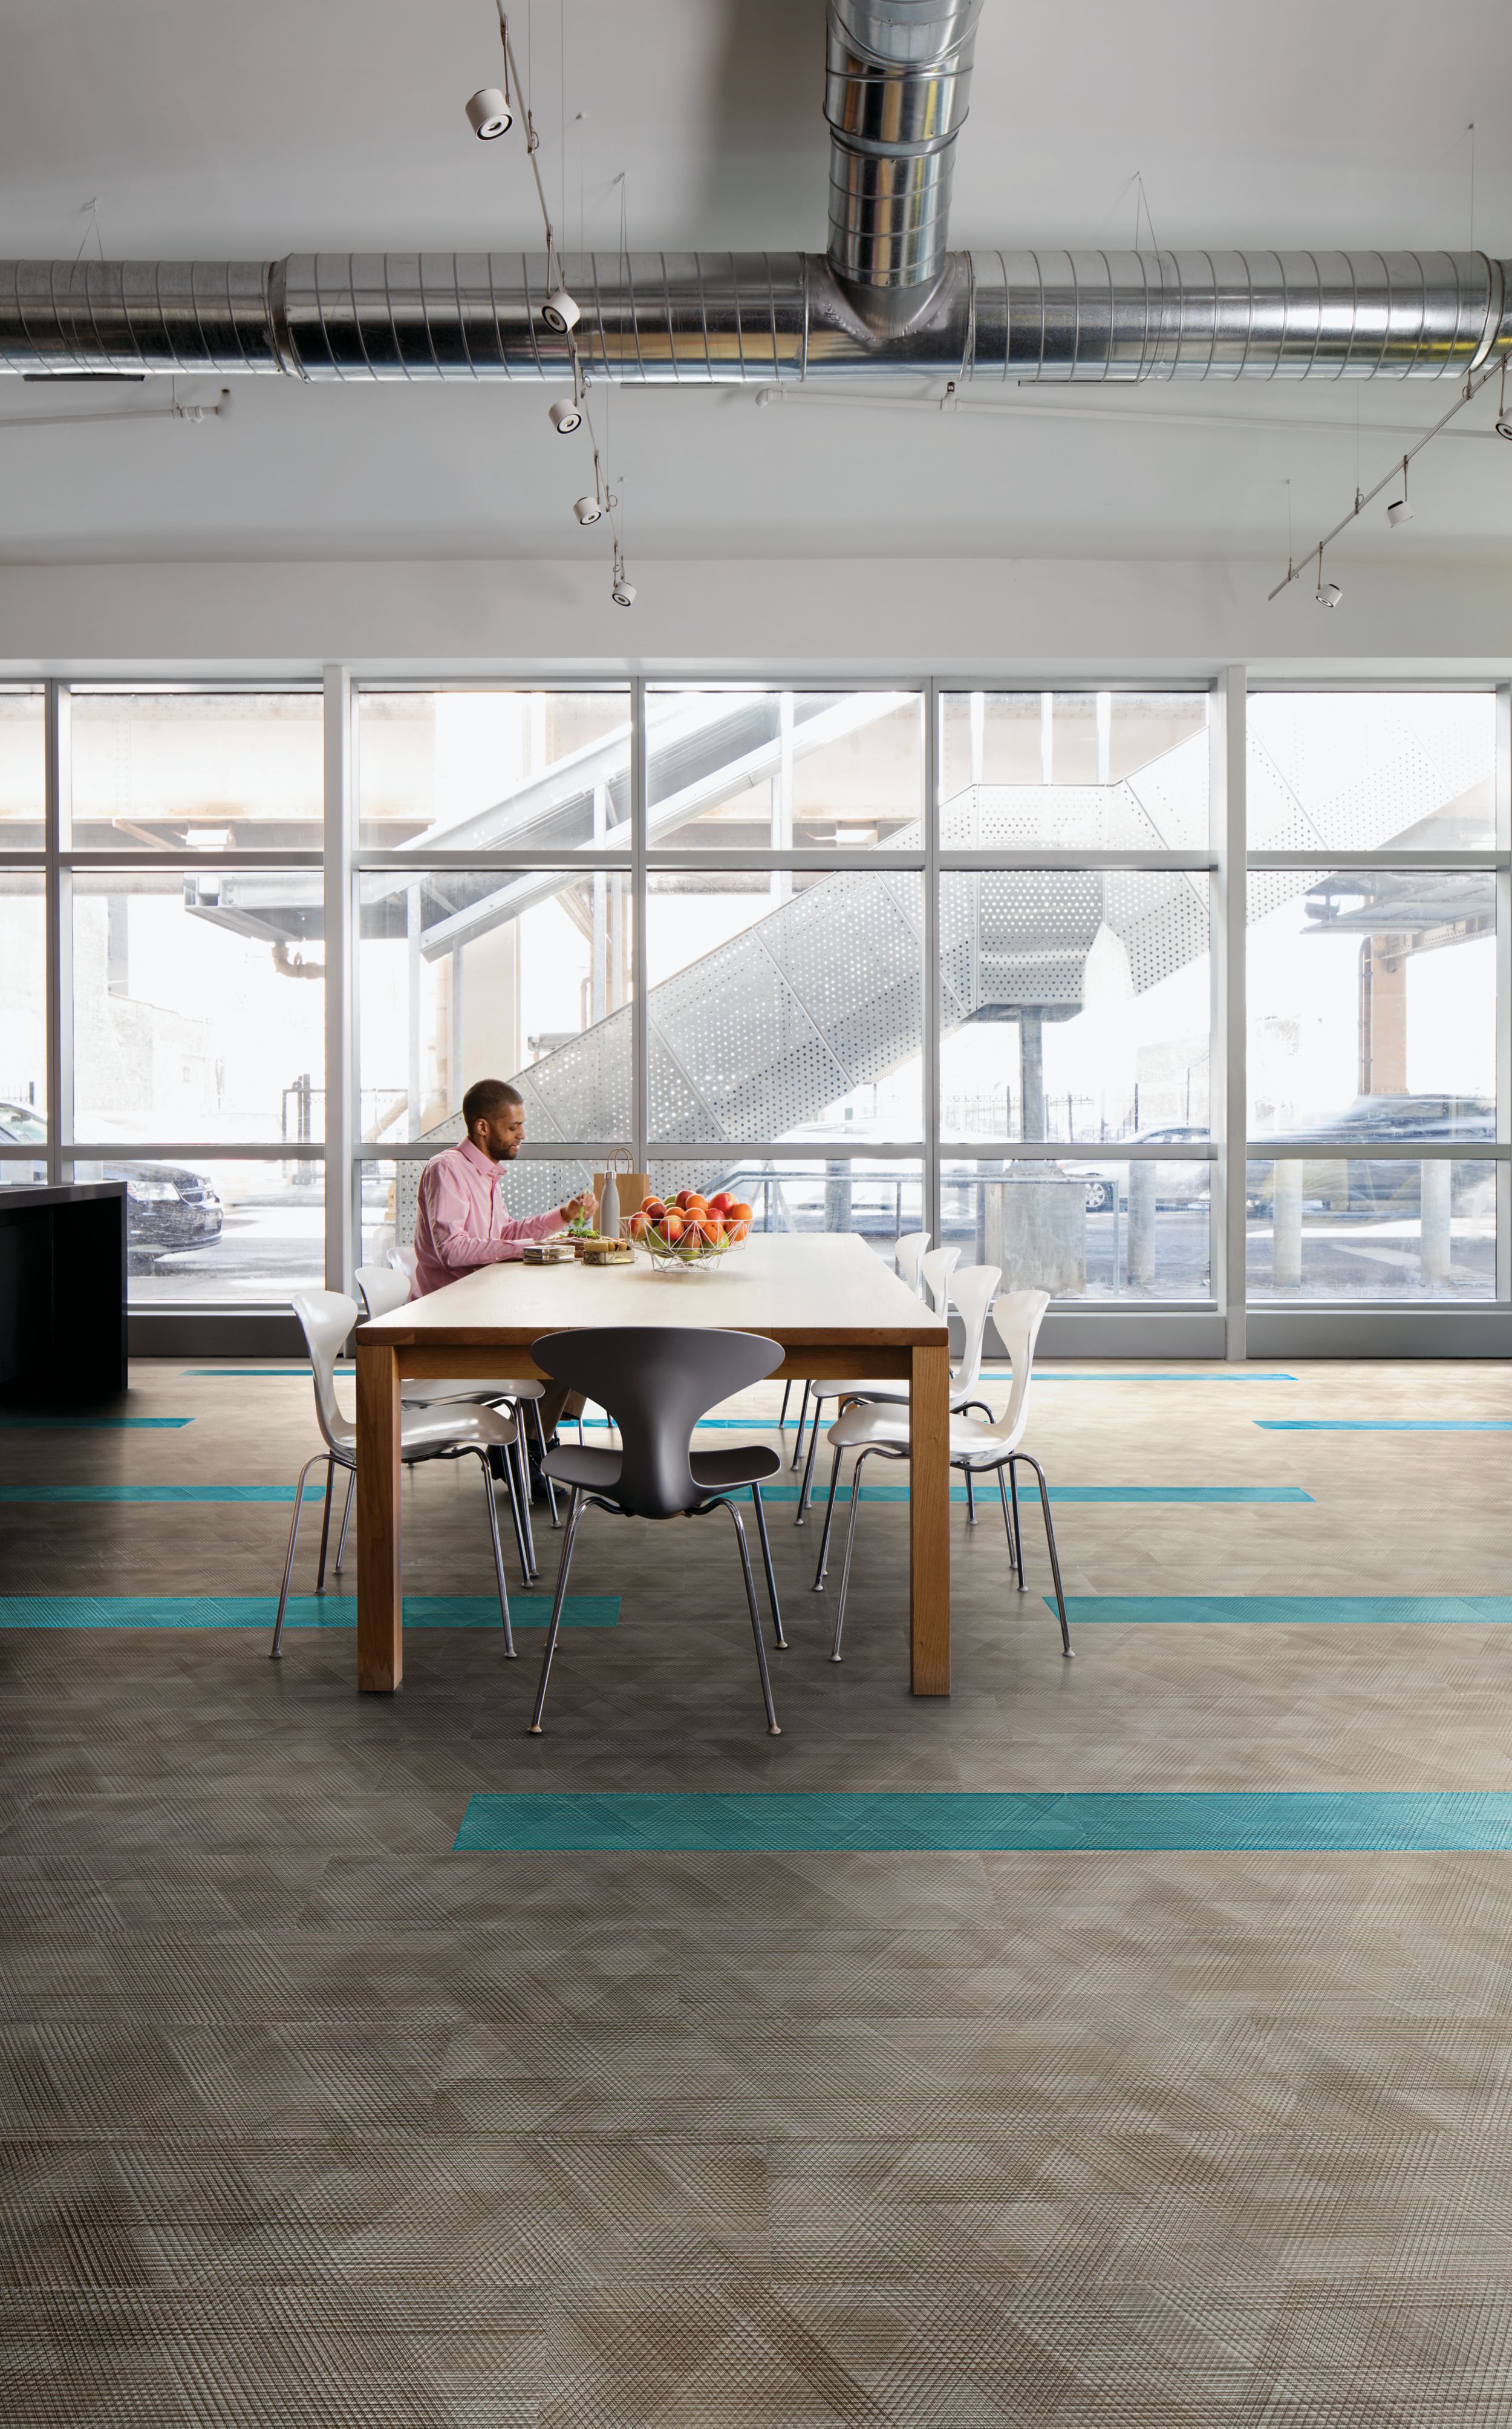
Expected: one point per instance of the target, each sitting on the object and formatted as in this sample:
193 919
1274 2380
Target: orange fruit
740 1211
652 1206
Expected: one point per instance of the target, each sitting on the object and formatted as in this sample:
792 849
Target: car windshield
20 1122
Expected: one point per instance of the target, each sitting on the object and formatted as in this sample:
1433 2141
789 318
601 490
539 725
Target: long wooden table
834 1306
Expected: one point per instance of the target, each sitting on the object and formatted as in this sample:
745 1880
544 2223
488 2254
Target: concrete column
1285 1249
1031 1069
1142 1190
1437 1247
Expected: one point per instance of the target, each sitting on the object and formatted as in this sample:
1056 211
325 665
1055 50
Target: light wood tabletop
833 1304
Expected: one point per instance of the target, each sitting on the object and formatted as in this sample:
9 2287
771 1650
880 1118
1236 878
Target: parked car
168 1206
1184 1179
1340 1182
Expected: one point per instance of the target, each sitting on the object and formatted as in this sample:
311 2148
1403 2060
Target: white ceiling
215 129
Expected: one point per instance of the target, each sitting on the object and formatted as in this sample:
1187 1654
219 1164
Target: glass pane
493 769
518 975
214 1233
23 1007
1098 770
215 770
1090 1227
751 769
390 1188
197 1011
1371 1003
18 1172
1362 771
881 1201
22 768
1074 1004
1382 1226
785 1006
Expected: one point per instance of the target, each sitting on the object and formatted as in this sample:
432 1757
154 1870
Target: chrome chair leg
1030 1461
522 1542
346 1518
499 1554
1018 1525
551 1481
1008 1523
803 1410
778 1637
817 1586
787 1395
971 1500
808 1464
276 1651
772 1728
521 1490
850 1545
574 1514
325 1522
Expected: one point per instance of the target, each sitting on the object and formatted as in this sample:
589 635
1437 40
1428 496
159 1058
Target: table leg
380 1578
930 1520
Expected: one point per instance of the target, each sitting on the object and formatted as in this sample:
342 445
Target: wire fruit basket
686 1240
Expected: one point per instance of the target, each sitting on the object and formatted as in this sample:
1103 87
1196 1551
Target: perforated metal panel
823 995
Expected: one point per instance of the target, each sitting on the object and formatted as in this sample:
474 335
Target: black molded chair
656 1381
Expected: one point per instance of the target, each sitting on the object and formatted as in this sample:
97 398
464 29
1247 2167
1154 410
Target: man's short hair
487 1098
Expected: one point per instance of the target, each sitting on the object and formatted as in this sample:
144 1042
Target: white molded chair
871 1429
326 1317
935 1288
973 1290
383 1288
908 1253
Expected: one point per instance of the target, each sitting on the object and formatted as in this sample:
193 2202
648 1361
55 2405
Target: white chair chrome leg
1030 1461
803 1410
550 1484
971 1501
850 1545
808 1467
275 1650
817 1586
346 1518
574 1514
499 1554
325 1522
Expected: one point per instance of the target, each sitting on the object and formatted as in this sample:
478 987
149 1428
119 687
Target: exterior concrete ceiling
206 128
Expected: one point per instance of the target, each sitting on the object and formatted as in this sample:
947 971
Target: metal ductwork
755 319
897 78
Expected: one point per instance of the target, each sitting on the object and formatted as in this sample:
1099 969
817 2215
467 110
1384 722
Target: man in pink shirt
462 1221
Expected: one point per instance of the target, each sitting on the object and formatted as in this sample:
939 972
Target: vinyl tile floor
308 2119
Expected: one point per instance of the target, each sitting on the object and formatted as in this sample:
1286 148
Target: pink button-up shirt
462 1222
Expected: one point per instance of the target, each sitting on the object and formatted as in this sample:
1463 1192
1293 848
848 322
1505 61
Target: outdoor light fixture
560 312
589 509
1400 510
565 416
489 114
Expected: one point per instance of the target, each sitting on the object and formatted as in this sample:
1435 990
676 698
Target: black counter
63 1292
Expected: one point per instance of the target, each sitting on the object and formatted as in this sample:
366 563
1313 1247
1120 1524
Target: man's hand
586 1205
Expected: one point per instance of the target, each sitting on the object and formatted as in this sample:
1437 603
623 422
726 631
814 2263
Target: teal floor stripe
1386 1425
1136 1493
158 1492
1070 1377
1308 1820
152 1424
1289 1610
304 1611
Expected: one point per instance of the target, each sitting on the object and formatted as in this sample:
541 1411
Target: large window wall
1176 998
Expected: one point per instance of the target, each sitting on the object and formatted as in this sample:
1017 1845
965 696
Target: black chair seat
721 1471
715 1471
591 1471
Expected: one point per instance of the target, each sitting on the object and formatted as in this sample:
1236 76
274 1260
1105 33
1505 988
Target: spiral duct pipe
756 318
896 83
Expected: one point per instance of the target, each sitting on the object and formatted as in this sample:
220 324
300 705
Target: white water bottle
609 1210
